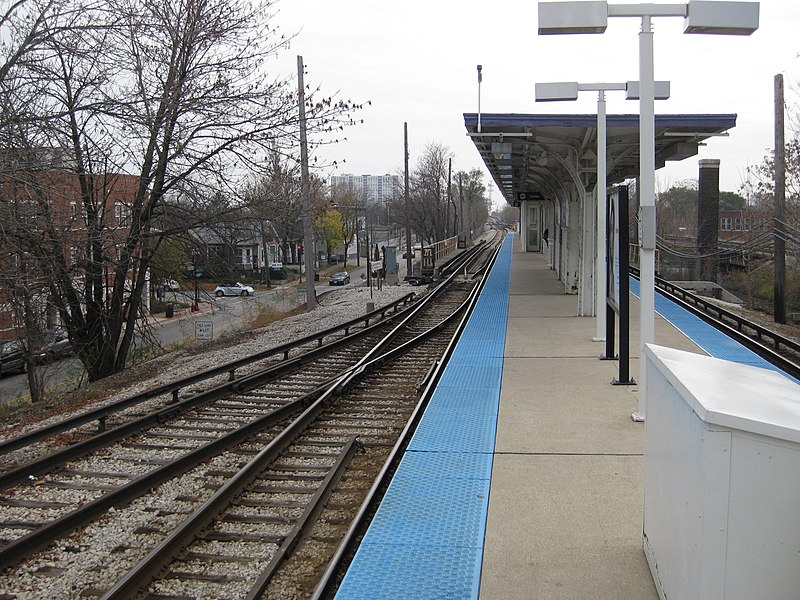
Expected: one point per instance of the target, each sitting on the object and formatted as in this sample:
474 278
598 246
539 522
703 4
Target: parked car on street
339 278
172 285
12 357
55 344
233 289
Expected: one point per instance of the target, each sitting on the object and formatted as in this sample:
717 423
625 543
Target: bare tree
677 211
428 193
148 99
471 200
275 196
26 307
760 184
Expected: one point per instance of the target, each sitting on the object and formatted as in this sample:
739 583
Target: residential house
235 249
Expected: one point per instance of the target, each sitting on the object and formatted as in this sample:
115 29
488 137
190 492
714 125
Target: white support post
600 277
647 204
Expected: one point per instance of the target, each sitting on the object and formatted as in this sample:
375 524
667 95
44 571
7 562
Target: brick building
45 232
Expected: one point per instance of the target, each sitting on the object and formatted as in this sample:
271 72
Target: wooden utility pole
460 206
308 223
449 197
779 291
409 265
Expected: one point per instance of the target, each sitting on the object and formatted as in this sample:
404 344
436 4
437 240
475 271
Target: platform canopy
540 155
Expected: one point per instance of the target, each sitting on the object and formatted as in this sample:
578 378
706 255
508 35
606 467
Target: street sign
204 330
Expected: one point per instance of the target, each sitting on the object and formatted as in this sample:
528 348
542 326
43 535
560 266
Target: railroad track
67 432
269 440
773 347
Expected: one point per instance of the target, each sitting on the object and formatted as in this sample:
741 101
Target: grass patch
14 405
756 287
266 315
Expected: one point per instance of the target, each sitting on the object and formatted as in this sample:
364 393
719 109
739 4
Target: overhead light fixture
661 90
721 18
501 150
572 17
556 91
543 159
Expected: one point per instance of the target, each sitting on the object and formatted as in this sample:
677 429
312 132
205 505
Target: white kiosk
721 479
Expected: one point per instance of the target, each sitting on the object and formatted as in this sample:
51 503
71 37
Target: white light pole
700 16
551 92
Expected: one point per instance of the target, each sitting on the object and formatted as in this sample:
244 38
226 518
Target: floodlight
552 92
572 17
661 90
723 18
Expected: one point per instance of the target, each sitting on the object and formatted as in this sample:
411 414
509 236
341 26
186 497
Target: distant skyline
417 63
370 187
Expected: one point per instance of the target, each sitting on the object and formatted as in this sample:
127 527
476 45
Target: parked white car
233 289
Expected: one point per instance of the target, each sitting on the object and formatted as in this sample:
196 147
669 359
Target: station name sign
523 196
526 196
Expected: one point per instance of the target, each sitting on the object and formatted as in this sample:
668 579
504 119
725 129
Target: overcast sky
416 61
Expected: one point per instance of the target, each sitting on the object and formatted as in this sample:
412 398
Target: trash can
170 311
316 276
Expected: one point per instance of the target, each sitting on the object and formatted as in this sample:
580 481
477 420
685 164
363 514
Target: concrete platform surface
565 503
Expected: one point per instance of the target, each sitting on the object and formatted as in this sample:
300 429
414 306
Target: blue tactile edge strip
710 340
426 540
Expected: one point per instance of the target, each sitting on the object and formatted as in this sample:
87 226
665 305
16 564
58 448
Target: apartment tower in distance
375 188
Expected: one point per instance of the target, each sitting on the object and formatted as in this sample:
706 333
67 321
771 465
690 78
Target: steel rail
405 318
40 538
776 340
309 516
56 459
459 259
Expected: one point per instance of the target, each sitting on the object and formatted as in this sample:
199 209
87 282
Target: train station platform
525 478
